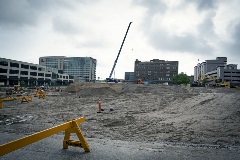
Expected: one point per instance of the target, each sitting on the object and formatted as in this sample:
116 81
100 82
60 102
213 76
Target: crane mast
115 62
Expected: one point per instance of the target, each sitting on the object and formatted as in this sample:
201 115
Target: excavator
110 79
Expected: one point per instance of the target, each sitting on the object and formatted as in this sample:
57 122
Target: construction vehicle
197 83
110 79
139 81
199 79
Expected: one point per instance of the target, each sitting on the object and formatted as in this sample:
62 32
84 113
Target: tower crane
110 79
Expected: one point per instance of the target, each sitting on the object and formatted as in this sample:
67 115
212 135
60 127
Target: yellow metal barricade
69 127
41 95
5 99
24 99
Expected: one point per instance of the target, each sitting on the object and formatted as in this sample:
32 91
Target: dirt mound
96 91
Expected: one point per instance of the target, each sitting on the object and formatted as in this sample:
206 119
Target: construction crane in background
110 79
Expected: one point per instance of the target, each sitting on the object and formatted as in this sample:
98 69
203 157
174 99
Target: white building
13 72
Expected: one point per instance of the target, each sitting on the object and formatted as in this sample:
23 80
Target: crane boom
115 62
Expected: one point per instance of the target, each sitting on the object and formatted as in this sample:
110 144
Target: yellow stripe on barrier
5 99
71 125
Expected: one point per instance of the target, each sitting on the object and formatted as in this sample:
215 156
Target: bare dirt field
132 112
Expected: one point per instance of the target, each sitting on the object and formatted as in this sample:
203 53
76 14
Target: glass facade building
81 68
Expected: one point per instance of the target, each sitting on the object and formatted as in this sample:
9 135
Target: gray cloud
153 6
19 13
233 30
161 40
64 26
202 5
206 27
187 42
15 13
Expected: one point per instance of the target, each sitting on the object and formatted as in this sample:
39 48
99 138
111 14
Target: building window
41 74
33 73
24 66
3 63
41 69
24 72
33 67
47 75
13 71
3 70
14 65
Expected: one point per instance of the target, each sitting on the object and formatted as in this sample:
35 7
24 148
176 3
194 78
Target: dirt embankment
132 112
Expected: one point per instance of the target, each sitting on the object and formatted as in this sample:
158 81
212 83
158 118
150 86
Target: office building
208 66
155 71
129 76
81 68
219 70
14 72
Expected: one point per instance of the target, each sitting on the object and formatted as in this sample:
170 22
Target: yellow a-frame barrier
69 127
5 99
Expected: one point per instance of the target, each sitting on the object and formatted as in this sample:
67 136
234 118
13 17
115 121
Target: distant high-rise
82 68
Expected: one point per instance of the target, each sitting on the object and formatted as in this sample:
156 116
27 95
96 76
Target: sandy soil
142 113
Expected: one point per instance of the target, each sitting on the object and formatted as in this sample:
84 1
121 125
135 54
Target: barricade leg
30 98
42 95
24 99
82 143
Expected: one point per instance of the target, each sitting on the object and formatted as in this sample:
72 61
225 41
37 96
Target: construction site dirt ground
193 116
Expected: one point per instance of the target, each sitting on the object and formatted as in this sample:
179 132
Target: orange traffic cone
99 106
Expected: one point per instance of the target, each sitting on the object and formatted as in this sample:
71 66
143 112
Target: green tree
22 83
181 79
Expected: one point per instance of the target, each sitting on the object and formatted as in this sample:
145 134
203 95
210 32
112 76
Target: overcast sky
174 30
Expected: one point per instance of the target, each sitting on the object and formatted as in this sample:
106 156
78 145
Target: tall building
219 70
155 70
81 68
14 72
208 66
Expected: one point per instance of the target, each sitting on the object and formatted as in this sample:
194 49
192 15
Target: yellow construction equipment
199 79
